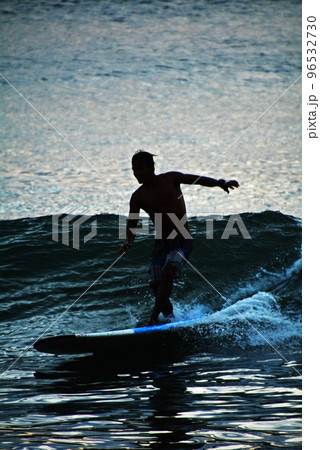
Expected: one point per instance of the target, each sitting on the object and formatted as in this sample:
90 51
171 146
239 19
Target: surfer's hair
144 157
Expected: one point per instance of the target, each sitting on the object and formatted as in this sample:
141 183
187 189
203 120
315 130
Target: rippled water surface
235 384
204 401
211 87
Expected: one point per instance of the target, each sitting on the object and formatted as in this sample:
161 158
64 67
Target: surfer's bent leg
166 285
162 302
164 269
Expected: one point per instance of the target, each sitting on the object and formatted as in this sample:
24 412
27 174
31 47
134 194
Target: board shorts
169 251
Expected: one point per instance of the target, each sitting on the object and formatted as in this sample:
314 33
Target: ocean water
237 386
211 87
193 82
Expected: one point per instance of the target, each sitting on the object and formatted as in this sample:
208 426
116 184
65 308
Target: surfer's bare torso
161 196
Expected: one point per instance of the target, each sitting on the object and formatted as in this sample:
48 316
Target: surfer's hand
226 185
124 247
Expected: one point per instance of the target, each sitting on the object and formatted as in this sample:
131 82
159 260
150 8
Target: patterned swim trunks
174 251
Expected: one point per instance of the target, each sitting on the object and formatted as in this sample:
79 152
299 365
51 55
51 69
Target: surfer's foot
167 310
170 317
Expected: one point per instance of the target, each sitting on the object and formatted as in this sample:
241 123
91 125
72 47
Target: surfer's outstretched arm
185 178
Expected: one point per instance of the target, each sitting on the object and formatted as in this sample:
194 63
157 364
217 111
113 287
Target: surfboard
166 337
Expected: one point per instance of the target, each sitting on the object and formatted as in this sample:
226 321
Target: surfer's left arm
131 224
185 178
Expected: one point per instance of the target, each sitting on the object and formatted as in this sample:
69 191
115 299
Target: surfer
161 198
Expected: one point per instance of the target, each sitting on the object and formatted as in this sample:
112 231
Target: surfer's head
143 166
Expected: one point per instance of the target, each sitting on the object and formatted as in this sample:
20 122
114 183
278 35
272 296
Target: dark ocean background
239 384
211 87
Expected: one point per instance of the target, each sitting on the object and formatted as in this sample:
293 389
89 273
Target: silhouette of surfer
160 196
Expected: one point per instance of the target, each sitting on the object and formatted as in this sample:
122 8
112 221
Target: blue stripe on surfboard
166 326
